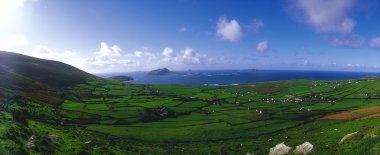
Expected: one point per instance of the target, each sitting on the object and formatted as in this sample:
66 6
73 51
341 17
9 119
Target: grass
204 120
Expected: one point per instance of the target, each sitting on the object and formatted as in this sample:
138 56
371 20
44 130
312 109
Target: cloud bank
111 58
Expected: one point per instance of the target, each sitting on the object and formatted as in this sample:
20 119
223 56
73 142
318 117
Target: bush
20 118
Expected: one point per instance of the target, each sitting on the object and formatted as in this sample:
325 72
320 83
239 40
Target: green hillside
36 79
48 107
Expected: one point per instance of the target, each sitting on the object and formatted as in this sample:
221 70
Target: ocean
233 77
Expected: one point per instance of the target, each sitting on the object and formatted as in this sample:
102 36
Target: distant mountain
121 78
24 77
161 71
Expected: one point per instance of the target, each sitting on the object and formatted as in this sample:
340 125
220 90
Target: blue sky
131 35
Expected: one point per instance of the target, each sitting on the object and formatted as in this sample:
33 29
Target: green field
124 118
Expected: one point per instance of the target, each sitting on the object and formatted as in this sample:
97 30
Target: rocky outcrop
304 148
53 138
31 144
121 78
280 149
347 137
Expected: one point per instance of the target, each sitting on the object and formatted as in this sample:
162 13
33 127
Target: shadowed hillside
36 79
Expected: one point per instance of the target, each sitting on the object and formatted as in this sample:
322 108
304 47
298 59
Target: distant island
161 71
121 78
251 70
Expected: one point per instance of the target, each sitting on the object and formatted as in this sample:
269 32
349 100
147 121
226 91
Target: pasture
104 116
229 119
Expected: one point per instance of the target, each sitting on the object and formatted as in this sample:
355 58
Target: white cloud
187 56
255 25
168 52
228 30
145 55
350 40
331 17
375 42
69 57
262 46
111 59
138 53
13 41
169 56
106 51
106 64
42 51
108 58
327 15
70 54
188 53
191 57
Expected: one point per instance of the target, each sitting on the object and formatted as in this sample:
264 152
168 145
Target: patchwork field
176 119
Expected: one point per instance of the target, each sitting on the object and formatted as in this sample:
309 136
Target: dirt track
364 113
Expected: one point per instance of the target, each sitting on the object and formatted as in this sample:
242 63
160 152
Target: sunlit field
177 119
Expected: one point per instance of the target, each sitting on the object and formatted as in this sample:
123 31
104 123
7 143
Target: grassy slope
30 88
24 77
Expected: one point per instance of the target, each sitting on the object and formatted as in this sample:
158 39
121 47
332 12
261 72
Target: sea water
233 77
